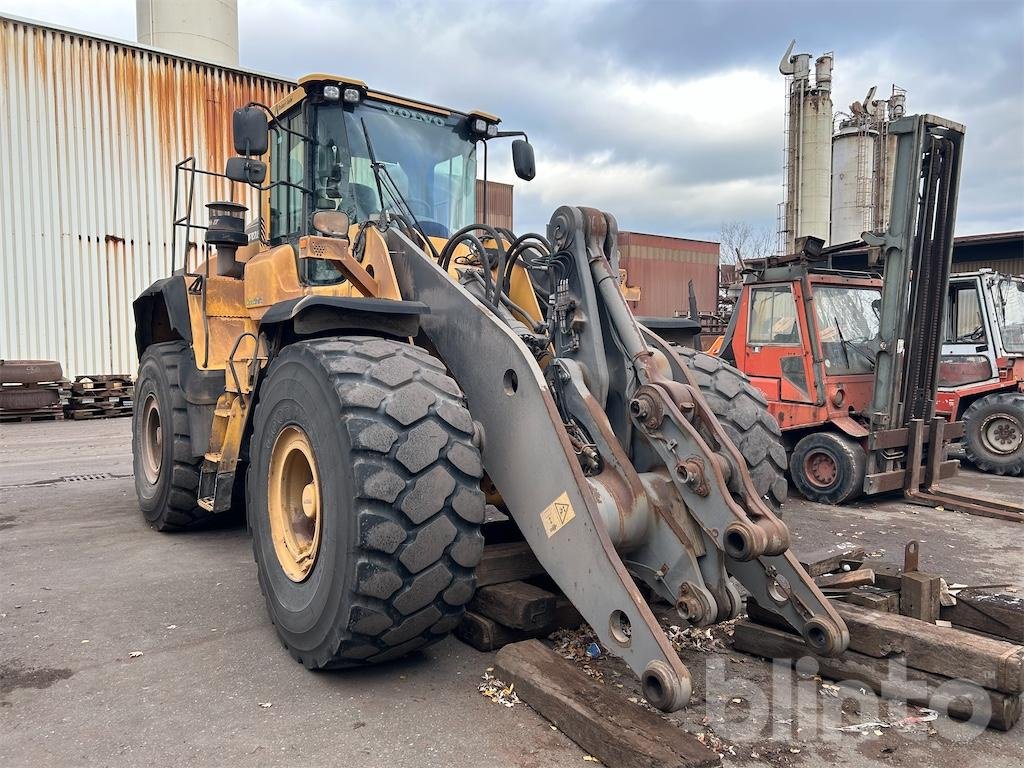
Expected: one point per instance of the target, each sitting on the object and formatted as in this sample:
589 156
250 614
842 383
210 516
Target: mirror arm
272 120
504 134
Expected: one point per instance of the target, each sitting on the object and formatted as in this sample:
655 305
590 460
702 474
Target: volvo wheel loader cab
849 361
355 376
982 368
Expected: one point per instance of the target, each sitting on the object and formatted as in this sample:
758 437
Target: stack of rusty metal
32 390
101 397
959 648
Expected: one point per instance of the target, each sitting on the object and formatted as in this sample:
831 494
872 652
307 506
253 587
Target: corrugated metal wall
499 203
662 266
1011 266
90 131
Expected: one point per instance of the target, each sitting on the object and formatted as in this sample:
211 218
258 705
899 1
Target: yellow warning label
557 515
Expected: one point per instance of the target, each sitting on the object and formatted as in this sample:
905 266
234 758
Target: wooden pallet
100 397
51 414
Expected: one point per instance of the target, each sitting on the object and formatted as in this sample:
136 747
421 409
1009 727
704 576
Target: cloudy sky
667 114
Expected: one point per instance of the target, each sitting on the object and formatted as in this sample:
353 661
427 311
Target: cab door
774 348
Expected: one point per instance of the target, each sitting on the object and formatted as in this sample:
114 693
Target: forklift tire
994 433
166 473
743 412
828 468
364 500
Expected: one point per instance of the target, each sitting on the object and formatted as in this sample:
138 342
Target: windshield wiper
847 343
393 190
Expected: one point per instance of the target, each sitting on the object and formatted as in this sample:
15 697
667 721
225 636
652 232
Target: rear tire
828 468
166 472
386 508
994 433
743 412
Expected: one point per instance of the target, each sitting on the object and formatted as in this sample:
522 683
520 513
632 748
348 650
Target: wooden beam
507 562
992 663
601 722
820 563
876 598
942 693
862 577
516 604
919 596
994 613
486 634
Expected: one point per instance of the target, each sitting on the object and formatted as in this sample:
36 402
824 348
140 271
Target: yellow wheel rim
152 440
294 505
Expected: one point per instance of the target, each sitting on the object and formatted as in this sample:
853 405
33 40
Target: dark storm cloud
668 114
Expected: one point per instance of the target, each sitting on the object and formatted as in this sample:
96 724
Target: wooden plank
820 563
955 698
862 577
875 598
516 604
507 562
995 613
485 634
888 575
995 664
600 721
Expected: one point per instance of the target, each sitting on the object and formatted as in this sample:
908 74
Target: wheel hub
1002 434
152 440
820 468
293 503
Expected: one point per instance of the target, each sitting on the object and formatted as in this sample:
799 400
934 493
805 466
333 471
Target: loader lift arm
658 505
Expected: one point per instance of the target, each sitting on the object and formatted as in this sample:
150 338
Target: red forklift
981 373
849 361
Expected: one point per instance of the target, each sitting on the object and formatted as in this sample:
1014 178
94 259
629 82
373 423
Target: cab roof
318 78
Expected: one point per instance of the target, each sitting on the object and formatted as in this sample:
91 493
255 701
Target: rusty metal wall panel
662 267
1008 266
499 203
90 131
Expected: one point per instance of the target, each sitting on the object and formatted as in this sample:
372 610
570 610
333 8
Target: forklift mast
917 251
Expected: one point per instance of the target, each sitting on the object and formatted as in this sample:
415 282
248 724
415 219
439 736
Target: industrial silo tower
808 155
863 155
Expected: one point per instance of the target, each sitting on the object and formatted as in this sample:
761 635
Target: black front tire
994 433
400 502
828 468
742 410
167 488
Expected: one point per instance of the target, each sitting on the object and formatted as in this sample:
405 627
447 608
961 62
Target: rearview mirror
331 223
246 170
523 160
250 131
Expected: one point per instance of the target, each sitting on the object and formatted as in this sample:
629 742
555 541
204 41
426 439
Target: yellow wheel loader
375 375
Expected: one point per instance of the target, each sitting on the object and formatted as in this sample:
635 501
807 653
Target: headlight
352 95
332 92
957 370
480 126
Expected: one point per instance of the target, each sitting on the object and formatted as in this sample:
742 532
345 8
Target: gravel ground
85 584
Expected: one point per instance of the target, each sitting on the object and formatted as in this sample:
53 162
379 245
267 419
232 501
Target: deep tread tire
1008 404
169 504
742 410
402 505
850 462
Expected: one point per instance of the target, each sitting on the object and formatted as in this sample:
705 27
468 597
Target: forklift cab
808 338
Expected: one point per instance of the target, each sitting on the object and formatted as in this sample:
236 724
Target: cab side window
773 316
287 163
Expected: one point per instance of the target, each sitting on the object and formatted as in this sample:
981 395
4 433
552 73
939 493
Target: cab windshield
848 323
1008 297
430 158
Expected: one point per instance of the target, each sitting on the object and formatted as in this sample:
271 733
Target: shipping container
662 267
90 132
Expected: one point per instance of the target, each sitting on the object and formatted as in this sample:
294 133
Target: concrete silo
199 29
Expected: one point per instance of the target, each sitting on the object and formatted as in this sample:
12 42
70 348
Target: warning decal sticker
557 515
